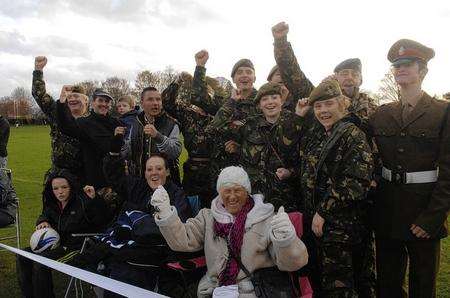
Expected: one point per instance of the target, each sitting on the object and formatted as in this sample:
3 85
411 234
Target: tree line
19 106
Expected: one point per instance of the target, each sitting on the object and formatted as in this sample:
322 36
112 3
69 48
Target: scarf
233 233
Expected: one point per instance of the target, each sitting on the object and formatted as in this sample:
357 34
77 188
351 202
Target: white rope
109 284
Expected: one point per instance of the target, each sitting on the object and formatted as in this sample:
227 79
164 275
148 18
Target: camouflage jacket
300 86
337 187
199 93
192 123
225 127
66 150
265 147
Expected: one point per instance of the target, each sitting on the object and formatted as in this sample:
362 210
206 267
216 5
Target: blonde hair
129 99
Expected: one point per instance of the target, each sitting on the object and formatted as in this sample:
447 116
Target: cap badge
401 51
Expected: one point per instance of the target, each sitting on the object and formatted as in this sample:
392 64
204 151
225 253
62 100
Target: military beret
79 89
407 50
242 63
327 89
272 72
101 93
352 63
267 89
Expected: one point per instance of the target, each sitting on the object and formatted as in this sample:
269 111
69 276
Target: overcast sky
96 39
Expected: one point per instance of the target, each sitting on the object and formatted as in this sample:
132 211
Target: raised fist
280 30
302 107
40 62
201 58
65 91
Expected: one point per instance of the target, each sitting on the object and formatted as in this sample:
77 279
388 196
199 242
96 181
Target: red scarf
234 234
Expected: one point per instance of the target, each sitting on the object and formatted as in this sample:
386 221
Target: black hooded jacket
95 133
81 214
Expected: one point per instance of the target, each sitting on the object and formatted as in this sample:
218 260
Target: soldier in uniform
336 168
289 102
231 115
413 139
348 74
269 148
66 150
197 178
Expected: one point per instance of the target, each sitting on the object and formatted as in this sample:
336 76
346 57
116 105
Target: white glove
161 201
282 227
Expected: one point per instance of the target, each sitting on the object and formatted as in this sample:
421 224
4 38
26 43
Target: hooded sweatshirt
81 214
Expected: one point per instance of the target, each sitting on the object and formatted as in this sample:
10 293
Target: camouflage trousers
339 269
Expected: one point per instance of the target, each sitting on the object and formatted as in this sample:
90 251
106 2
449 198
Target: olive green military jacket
265 147
66 150
337 190
300 86
422 143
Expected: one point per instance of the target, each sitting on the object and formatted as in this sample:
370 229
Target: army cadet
274 76
348 74
66 150
231 115
197 178
336 168
269 148
413 139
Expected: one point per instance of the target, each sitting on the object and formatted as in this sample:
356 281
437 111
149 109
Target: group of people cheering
372 182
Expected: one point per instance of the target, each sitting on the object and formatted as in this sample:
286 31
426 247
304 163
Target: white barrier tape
109 284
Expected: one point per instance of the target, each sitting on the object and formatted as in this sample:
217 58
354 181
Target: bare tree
116 87
89 86
159 79
389 90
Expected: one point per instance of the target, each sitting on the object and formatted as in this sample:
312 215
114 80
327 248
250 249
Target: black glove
116 143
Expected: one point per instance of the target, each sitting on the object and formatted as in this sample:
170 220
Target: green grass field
29 158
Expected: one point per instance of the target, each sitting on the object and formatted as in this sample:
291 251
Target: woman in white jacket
237 221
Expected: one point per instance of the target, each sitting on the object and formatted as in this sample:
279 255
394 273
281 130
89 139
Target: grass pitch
29 158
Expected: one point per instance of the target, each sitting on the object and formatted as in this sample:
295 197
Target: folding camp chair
16 223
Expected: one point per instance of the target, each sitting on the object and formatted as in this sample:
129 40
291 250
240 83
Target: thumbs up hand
282 227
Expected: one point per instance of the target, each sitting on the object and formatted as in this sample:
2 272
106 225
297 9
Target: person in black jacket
134 236
4 137
94 133
68 210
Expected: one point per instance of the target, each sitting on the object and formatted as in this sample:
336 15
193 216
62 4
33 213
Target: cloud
172 13
58 46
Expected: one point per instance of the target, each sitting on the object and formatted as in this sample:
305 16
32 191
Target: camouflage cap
267 89
272 72
79 89
102 93
351 63
327 89
407 50
242 63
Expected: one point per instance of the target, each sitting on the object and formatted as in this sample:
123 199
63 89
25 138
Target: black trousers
392 259
35 280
